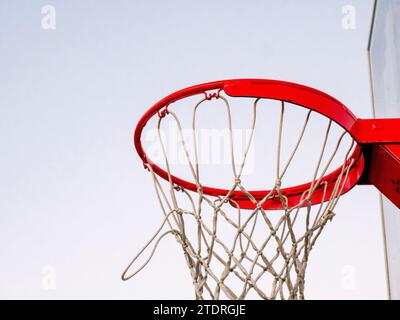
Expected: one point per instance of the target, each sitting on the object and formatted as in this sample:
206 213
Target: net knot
278 182
328 216
237 181
183 244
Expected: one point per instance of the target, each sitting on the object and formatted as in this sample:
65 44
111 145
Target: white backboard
384 58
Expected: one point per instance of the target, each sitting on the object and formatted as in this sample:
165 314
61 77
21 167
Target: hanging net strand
245 264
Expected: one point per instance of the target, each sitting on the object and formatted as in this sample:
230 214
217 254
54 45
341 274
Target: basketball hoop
266 254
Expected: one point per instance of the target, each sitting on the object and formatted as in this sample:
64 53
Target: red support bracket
383 170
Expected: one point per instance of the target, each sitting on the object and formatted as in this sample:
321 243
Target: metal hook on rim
209 96
164 112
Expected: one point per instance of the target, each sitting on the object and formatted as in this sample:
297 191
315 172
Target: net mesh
233 253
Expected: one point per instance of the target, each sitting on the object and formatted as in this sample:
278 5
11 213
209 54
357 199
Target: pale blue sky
73 193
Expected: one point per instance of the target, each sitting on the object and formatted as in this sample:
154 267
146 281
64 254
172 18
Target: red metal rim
270 89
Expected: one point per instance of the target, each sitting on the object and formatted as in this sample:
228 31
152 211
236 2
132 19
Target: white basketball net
222 252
